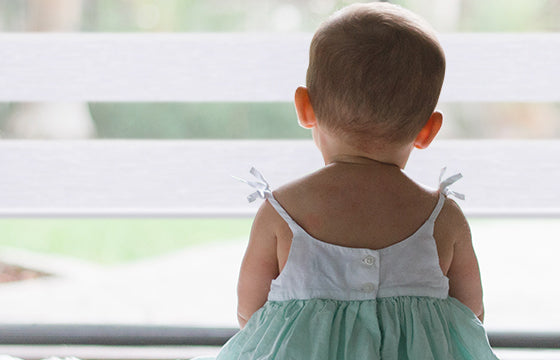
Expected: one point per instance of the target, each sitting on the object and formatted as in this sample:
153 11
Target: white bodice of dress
316 269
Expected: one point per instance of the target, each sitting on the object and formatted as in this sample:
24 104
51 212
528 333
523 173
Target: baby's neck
359 160
337 151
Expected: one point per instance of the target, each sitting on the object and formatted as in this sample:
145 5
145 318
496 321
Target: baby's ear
305 113
429 131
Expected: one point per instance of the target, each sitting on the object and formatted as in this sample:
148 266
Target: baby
356 260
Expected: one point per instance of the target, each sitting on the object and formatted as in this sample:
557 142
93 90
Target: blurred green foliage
111 241
279 15
510 16
197 120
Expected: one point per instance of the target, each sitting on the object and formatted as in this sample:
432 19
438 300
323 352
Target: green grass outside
112 241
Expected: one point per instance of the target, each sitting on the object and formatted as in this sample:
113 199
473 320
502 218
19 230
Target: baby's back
359 206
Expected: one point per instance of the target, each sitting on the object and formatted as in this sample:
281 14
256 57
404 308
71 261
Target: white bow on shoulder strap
444 185
261 185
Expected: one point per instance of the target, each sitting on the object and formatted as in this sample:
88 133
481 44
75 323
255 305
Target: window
140 271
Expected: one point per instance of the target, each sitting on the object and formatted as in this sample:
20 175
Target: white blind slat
248 67
192 178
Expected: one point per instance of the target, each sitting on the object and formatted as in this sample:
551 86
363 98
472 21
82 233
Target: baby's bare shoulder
452 224
452 214
451 232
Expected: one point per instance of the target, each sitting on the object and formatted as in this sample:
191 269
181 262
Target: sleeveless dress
332 302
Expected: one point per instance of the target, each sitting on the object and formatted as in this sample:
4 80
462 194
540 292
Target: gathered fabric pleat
395 328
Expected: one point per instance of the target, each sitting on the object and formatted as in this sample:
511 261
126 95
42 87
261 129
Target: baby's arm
260 265
464 273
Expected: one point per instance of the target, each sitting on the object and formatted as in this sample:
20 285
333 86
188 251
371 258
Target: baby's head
375 74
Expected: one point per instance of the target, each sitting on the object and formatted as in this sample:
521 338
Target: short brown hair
375 72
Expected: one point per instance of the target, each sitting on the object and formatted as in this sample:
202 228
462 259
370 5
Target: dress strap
263 191
444 191
437 209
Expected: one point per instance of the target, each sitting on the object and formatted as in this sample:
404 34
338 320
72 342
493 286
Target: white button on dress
368 287
369 260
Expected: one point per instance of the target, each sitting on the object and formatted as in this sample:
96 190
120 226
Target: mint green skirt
398 328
